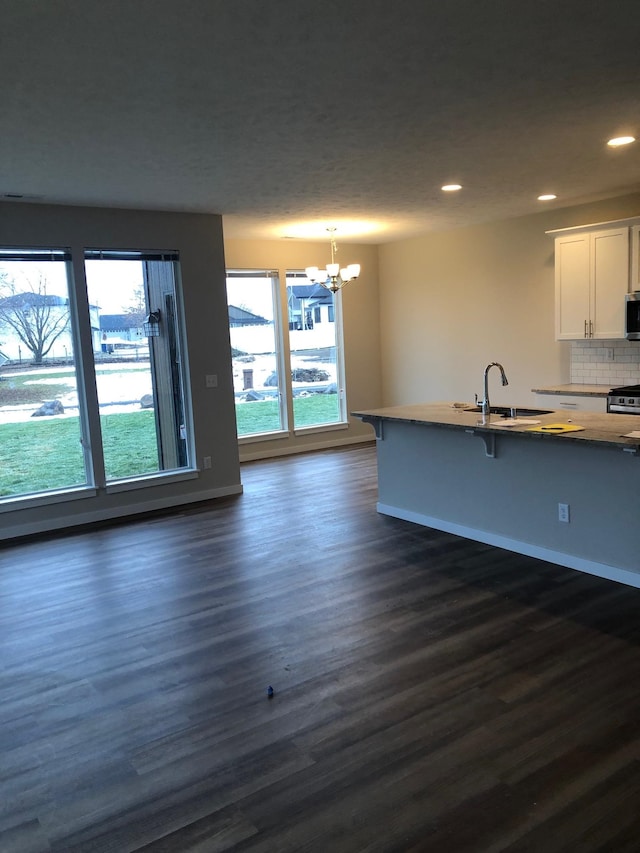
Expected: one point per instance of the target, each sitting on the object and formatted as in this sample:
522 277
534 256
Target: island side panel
442 477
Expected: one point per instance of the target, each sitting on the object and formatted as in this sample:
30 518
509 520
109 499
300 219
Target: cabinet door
610 282
572 286
635 258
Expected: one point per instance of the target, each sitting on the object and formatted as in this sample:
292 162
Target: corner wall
451 302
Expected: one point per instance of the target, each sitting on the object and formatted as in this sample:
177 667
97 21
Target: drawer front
574 404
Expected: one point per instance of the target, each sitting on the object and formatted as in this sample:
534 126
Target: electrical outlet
206 462
563 513
211 380
609 353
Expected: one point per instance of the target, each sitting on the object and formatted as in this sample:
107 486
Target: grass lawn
53 455
41 454
264 415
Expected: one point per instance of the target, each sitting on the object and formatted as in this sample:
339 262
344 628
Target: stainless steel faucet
486 405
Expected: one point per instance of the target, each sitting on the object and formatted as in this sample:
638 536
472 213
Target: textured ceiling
286 116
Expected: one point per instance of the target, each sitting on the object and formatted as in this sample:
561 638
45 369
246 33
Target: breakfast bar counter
509 481
596 428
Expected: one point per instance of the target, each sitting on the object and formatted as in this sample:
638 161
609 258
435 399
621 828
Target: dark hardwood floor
430 693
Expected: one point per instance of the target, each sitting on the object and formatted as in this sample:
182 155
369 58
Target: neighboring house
311 322
117 331
249 333
313 302
242 317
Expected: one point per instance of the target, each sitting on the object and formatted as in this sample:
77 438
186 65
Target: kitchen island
443 466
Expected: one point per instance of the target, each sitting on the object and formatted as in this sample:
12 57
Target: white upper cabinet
635 258
592 277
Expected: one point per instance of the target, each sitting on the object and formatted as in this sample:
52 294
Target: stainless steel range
625 400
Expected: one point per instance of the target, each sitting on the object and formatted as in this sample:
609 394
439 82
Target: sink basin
518 411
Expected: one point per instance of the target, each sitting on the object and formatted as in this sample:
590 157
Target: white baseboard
558 557
291 450
128 510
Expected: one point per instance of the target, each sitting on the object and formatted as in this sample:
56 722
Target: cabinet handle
590 328
585 329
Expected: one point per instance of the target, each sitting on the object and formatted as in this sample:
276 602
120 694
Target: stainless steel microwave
632 316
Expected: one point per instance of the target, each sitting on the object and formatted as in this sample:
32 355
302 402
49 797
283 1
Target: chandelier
332 277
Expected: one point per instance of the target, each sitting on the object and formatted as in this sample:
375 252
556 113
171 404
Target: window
253 304
54 435
41 433
311 389
316 364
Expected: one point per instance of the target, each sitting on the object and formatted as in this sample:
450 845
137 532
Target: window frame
85 374
134 481
280 354
342 421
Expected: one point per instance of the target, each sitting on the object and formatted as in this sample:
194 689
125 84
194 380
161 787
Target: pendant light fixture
332 277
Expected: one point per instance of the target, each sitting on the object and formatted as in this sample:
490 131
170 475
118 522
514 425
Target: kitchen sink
512 411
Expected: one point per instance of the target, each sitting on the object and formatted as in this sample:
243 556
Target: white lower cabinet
572 403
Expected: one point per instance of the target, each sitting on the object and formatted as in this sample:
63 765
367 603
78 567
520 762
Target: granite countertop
574 389
605 430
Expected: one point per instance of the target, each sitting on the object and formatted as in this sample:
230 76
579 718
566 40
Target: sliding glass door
49 438
138 363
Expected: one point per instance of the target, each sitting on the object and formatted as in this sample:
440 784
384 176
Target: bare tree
36 317
136 311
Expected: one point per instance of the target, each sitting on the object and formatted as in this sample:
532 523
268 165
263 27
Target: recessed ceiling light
451 188
547 197
621 140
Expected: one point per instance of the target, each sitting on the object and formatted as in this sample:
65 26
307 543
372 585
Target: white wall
452 302
198 239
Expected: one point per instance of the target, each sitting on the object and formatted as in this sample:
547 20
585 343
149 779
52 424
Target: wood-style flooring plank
430 693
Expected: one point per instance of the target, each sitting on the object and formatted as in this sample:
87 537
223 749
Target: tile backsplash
590 364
